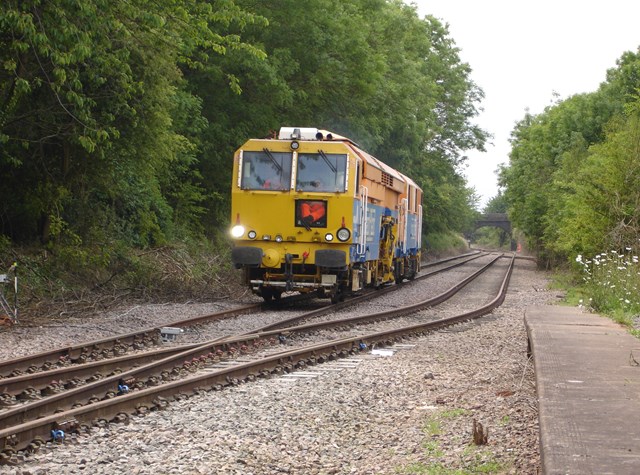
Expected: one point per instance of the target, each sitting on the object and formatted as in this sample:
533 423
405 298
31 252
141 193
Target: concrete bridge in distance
496 220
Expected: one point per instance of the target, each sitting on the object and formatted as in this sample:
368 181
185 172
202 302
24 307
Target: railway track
160 364
46 382
112 348
99 401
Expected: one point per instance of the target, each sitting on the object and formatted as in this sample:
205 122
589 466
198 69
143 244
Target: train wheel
413 269
337 294
400 271
266 293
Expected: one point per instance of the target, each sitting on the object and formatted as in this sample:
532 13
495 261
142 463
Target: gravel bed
477 293
405 413
33 335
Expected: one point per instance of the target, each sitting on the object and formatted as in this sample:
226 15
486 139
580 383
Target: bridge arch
497 220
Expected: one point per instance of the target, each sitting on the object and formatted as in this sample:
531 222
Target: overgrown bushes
69 280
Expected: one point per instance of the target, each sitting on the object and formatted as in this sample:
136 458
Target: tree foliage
572 181
497 204
368 69
118 119
93 123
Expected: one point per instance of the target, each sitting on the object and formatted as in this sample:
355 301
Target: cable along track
25 427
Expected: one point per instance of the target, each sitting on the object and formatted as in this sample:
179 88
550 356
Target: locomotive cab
304 219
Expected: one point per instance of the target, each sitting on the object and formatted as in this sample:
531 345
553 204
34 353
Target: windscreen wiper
326 159
273 159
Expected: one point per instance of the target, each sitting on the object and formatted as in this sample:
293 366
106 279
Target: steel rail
91 349
162 369
452 258
389 313
376 293
50 380
147 337
19 435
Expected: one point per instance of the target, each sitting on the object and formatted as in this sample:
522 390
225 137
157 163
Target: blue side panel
371 250
412 234
374 218
411 245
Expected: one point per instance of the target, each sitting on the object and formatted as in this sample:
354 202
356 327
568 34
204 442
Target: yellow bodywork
270 213
279 250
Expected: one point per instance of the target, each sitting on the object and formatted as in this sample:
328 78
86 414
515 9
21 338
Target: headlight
278 238
252 234
294 145
343 234
237 231
328 237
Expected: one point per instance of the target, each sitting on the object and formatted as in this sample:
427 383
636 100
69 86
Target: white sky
522 52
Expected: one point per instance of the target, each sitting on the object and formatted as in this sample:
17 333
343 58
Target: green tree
123 116
497 204
554 193
368 69
88 94
605 203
